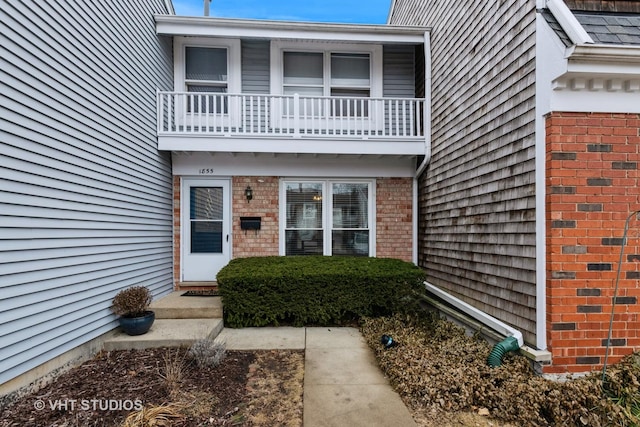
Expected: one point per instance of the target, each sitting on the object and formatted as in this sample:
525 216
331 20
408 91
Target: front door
205 228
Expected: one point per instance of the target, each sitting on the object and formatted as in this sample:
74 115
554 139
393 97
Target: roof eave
265 29
576 33
611 54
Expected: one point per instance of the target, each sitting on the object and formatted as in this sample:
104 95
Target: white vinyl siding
85 196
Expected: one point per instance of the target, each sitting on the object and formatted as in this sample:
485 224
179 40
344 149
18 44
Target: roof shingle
610 28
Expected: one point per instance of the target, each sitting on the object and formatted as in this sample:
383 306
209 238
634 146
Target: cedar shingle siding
477 199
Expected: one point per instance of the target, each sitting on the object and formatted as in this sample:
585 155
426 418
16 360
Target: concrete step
166 333
177 306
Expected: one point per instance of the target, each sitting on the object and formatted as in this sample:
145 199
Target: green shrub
314 290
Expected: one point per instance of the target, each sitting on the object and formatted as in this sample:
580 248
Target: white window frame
327 210
375 119
234 79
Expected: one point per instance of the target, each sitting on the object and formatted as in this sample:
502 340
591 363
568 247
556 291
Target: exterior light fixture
248 193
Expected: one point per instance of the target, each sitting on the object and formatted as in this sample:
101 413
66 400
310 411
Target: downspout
427 105
426 117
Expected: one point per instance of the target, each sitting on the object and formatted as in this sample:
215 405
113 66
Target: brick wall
176 231
393 227
394 222
265 205
592 185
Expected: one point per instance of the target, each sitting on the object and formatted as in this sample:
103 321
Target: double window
318 74
327 218
332 80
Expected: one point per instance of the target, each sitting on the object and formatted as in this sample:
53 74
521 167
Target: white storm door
206 213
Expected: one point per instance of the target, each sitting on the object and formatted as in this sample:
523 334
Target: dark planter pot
137 325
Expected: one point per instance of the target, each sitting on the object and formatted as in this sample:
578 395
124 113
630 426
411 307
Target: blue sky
351 11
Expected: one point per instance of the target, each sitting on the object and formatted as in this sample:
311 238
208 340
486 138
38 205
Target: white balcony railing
247 115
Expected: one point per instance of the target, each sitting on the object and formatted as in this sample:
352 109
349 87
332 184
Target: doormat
203 293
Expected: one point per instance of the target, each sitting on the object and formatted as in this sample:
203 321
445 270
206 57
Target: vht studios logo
88 405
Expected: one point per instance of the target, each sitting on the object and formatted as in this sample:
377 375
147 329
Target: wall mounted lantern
248 193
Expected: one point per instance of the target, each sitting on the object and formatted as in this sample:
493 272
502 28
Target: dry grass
275 389
154 416
174 371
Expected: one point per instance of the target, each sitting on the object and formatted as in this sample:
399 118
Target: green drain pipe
500 349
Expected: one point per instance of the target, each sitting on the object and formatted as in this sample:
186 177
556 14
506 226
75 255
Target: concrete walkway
343 386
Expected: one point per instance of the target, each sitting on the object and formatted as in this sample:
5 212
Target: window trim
234 71
278 47
280 120
234 79
327 210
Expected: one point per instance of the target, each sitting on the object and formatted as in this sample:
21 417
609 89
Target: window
348 75
335 82
350 219
304 229
327 218
212 70
206 71
303 73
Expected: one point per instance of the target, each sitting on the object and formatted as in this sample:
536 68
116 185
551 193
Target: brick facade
394 219
176 231
265 205
592 185
393 226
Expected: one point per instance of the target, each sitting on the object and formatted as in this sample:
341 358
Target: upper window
303 73
338 70
206 69
329 74
207 65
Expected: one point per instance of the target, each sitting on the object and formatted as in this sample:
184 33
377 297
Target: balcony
190 121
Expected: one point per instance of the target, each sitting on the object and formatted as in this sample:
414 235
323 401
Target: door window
206 216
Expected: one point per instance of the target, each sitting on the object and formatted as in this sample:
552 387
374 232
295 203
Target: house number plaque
205 171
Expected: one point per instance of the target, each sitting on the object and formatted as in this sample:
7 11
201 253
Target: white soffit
265 29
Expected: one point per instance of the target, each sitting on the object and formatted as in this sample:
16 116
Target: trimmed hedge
314 290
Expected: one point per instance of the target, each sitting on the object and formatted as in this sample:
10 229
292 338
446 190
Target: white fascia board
169 6
236 28
609 56
283 165
380 147
568 22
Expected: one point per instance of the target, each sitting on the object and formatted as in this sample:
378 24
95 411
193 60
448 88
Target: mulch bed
104 390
